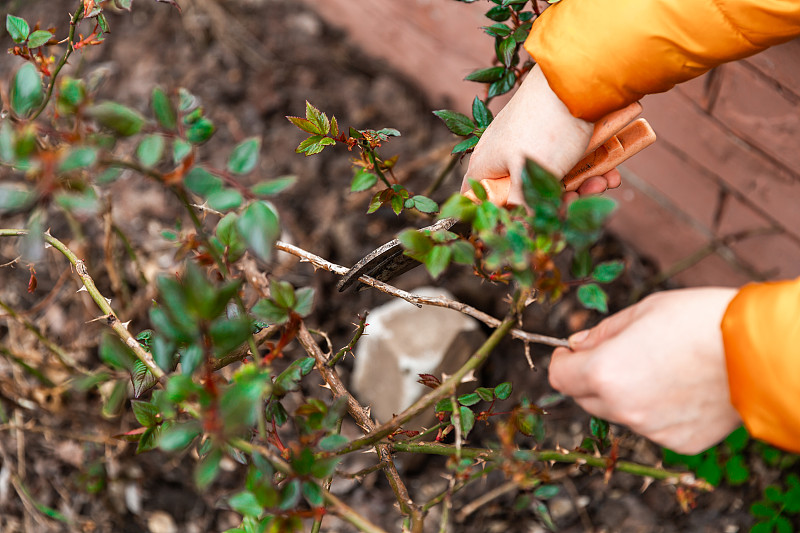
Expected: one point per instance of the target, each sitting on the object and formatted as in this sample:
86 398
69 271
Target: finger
614 178
590 339
593 185
570 197
568 373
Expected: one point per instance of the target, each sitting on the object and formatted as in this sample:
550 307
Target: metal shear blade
388 261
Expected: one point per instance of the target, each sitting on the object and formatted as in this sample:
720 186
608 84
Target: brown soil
251 64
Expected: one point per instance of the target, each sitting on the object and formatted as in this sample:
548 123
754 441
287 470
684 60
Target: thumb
589 339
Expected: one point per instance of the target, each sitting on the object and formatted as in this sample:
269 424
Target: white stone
403 341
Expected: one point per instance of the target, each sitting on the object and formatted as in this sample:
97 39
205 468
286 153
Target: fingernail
578 338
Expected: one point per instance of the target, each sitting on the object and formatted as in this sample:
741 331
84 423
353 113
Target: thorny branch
111 319
419 301
363 419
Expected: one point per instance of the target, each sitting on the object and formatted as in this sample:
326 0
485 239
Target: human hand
534 124
657 367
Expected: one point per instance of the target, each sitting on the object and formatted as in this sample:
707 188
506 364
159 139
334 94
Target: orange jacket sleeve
761 331
599 56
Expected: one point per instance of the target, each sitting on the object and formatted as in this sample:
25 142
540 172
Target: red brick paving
733 133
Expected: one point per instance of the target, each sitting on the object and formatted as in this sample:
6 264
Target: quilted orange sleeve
600 56
761 331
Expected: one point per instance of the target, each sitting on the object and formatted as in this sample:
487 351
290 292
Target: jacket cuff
761 333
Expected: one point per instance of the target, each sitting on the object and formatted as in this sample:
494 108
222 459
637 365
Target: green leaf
609 271
18 28
463 252
486 75
738 439
314 145
191 358
397 202
783 525
318 118
305 301
202 182
589 213
178 436
115 353
593 297
268 188
305 125
363 180
150 150
207 469
180 149
228 333
270 312
581 263
499 13
599 428
117 117
200 131
456 122
313 494
467 420
39 38
146 413
438 259
229 236
143 380
290 495
163 109
538 185
224 199
487 395
332 442
245 503
503 85
469 399
506 51
465 145
283 294
26 90
483 117
71 94
760 510
78 157
245 156
444 405
497 30
545 492
503 391
415 242
736 471
424 204
6 142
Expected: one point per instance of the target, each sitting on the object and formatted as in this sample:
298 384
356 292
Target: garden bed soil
251 62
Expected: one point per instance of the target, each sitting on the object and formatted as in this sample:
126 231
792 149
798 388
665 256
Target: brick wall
715 201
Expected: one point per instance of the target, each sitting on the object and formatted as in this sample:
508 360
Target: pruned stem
419 301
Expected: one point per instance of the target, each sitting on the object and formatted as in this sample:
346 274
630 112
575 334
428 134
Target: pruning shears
616 137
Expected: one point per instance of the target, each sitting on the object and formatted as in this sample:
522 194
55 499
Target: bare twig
485 498
363 419
419 301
